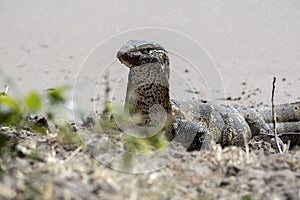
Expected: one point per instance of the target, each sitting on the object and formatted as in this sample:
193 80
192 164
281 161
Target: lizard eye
145 51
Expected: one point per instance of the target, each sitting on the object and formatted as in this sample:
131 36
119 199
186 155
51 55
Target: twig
5 90
287 146
274 116
74 153
246 147
106 93
134 190
186 192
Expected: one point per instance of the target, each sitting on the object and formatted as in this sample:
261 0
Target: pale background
43 43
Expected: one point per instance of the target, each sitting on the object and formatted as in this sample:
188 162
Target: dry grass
62 170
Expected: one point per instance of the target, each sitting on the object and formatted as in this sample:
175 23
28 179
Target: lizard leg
259 127
256 122
192 135
236 129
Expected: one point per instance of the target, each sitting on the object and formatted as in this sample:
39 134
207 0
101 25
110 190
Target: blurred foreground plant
23 112
120 126
14 111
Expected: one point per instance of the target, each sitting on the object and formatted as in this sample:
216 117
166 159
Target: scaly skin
196 122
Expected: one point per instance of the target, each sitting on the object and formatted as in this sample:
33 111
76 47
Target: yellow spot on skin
190 115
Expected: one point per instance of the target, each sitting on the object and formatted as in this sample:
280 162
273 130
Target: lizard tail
289 112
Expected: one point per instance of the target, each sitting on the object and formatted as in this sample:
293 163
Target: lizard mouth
133 59
129 59
139 52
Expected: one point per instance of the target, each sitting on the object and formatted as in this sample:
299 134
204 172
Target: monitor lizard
194 122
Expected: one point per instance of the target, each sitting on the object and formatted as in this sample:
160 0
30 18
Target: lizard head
138 52
148 78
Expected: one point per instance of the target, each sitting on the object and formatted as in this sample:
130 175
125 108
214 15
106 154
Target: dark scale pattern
195 123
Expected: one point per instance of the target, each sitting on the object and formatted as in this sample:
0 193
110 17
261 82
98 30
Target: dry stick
246 147
6 89
106 97
274 116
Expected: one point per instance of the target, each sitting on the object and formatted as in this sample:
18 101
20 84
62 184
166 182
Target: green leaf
33 102
9 102
57 95
39 129
10 111
136 145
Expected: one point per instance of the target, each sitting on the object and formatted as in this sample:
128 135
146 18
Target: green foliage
14 111
10 110
55 98
117 123
33 102
136 145
57 95
248 197
68 135
18 112
38 128
110 125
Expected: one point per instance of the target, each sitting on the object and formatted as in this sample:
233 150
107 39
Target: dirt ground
46 167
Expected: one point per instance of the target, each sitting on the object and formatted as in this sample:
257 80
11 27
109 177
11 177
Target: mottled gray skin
195 123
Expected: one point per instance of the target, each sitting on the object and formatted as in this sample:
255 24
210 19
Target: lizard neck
148 92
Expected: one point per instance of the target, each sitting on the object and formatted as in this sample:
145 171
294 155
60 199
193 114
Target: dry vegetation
51 162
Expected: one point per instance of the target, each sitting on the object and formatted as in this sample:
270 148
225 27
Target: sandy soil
47 167
250 41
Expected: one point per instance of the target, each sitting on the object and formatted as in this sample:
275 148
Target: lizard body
191 122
